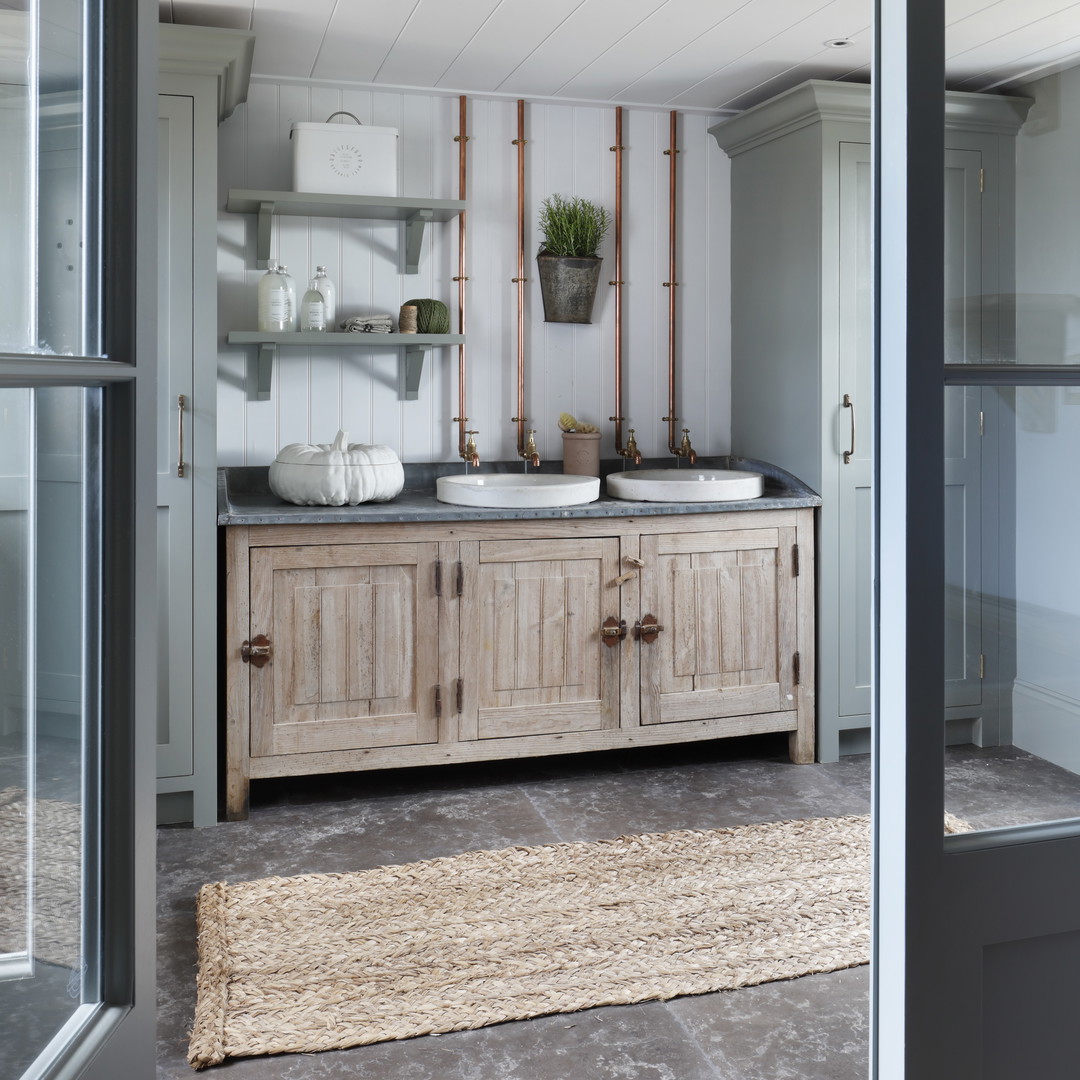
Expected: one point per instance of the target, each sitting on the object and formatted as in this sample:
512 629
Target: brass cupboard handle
181 403
849 404
647 629
256 651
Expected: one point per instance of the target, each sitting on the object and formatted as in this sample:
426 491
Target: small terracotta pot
581 453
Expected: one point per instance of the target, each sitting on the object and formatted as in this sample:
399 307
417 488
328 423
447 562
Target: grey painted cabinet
203 76
802 365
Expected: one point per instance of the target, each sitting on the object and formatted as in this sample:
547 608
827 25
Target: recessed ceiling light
839 43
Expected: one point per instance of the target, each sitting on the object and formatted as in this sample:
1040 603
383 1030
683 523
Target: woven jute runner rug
328 961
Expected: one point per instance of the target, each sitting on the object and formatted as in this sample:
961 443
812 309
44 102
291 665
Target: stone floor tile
812 1028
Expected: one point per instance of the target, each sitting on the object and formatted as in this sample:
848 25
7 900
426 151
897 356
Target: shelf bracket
264 373
414 368
262 242
414 239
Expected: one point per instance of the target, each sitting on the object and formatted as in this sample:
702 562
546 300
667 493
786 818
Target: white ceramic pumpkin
336 474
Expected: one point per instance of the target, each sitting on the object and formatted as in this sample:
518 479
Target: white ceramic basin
686 485
510 490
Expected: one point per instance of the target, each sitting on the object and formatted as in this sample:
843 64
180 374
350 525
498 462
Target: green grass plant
572 227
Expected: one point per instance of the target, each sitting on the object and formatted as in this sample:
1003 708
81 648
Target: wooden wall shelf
414 345
416 213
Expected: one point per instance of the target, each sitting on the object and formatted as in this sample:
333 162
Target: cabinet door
353 635
175 751
727 605
533 621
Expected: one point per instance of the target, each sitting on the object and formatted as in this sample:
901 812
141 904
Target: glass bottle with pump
273 296
329 294
313 308
293 321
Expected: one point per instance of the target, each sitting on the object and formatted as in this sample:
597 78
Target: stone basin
686 485
517 491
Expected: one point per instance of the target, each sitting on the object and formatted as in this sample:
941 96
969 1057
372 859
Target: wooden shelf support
262 240
264 372
414 368
414 239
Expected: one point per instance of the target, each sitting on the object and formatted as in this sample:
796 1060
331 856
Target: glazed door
725 604
534 618
352 647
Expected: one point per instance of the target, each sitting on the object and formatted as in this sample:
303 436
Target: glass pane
1012 511
49 490
49 227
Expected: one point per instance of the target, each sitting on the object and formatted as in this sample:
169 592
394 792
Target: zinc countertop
245 498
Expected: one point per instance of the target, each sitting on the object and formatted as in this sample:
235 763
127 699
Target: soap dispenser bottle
313 308
293 320
273 298
329 294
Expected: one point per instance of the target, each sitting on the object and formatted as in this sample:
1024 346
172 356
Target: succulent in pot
568 259
336 474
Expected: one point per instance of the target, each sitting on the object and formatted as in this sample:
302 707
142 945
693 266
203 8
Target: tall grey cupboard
802 379
203 76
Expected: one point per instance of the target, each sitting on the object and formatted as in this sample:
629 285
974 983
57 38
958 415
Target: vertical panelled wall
568 368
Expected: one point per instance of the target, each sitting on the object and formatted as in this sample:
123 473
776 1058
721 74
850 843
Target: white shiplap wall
568 368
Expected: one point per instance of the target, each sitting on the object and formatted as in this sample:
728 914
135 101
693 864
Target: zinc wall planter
568 286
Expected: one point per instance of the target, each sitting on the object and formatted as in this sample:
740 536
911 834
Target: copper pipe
683 449
629 450
527 451
466 438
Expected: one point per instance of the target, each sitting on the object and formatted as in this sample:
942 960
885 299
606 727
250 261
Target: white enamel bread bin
344 158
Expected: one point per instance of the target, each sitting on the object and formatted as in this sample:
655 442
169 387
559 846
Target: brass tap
530 452
471 455
685 449
631 451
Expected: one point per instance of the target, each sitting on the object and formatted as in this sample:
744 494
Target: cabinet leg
237 792
801 745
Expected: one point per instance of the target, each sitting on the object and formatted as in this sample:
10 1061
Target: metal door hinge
982 666
438 577
794 560
459 695
459 579
796 668
438 701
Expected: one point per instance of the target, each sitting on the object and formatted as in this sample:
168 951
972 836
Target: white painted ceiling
719 55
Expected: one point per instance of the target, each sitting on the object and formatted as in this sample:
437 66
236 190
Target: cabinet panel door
534 618
727 605
174 541
354 647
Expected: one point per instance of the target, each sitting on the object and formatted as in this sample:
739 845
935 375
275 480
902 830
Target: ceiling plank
432 39
358 39
285 44
583 37
652 41
515 29
742 42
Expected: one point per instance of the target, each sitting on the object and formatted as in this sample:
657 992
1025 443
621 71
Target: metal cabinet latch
612 631
256 651
647 630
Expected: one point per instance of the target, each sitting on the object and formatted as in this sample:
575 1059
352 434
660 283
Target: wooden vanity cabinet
529 647
355 647
366 646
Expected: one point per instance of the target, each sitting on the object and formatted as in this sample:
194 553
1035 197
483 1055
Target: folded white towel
368 324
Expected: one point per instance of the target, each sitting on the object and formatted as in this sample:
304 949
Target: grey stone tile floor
813 1028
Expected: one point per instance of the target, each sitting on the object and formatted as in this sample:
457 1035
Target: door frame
942 905
116 1036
